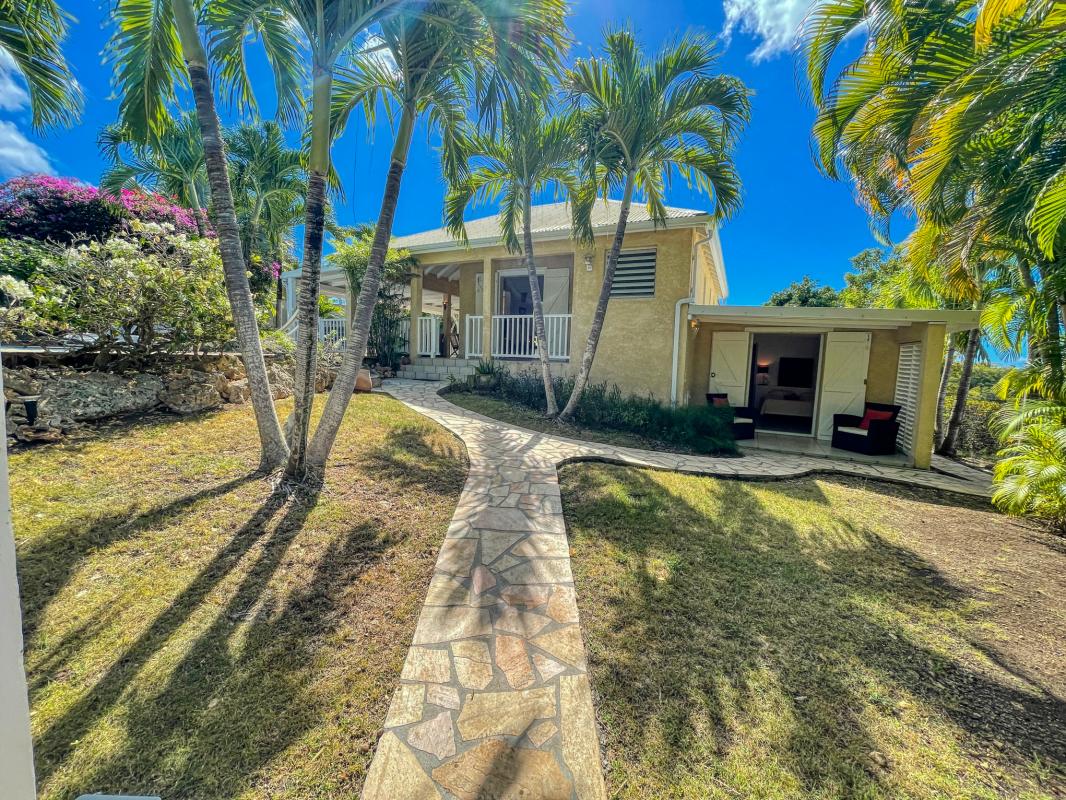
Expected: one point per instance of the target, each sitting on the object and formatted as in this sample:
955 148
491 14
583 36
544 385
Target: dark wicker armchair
743 418
878 438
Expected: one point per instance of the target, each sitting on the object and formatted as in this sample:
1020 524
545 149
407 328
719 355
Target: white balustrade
513 336
429 336
472 337
333 333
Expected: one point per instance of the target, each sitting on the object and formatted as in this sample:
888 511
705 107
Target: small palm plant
533 151
1030 476
643 121
172 162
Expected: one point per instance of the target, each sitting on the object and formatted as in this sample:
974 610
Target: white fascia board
702 220
831 317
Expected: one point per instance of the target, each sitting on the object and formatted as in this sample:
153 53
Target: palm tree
267 174
645 120
31 34
423 64
172 162
958 117
156 49
532 152
328 31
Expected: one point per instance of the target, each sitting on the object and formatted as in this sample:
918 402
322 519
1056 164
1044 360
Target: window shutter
635 274
908 386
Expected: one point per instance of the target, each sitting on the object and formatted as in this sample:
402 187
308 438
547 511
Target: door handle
714 375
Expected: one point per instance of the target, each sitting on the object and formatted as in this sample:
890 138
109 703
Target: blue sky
793 222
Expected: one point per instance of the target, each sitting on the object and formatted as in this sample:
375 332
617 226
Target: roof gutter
677 316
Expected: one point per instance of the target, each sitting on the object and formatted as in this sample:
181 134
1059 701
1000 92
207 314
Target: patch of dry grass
193 635
816 639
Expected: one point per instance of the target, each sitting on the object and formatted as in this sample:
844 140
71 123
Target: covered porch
802 374
484 309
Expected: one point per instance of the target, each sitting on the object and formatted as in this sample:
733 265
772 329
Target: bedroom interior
784 375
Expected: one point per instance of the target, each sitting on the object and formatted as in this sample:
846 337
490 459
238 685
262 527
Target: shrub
22 257
1030 477
147 292
702 428
63 210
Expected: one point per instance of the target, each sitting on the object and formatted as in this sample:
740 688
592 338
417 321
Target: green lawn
817 639
190 634
515 414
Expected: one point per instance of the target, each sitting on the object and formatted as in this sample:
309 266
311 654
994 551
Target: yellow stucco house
669 331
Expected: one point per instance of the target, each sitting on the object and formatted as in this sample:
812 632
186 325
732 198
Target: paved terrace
494 699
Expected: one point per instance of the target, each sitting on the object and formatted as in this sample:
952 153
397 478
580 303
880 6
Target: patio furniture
872 434
743 418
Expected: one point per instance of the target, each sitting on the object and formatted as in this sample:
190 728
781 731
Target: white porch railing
333 333
429 336
512 336
473 337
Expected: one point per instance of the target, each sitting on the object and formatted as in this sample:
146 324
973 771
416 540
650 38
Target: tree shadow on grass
57 743
733 629
47 563
410 458
239 695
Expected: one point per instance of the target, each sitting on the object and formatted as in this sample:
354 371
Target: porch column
416 311
487 295
446 326
291 288
925 419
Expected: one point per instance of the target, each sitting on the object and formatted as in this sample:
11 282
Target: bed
788 403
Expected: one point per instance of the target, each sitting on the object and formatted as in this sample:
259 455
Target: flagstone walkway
494 699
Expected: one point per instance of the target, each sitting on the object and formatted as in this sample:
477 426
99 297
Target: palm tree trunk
355 348
197 211
942 392
581 381
271 438
307 304
951 436
538 308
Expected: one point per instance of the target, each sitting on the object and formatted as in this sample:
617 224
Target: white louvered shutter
635 274
908 386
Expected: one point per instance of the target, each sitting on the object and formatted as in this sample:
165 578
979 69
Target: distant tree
871 283
805 293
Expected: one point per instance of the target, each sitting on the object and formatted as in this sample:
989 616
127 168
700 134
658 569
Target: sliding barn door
847 359
730 365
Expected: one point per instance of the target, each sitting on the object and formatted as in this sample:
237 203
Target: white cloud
774 23
18 155
13 95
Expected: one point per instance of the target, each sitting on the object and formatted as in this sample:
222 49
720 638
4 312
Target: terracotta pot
363 382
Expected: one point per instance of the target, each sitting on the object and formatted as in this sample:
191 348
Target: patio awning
769 317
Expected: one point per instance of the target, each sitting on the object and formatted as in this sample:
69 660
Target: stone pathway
494 699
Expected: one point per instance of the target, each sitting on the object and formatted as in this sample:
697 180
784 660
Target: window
635 274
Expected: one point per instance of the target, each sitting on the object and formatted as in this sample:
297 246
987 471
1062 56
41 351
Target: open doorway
784 381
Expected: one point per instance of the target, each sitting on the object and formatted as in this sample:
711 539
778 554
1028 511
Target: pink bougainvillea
63 209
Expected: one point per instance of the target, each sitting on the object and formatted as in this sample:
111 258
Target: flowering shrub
148 291
63 209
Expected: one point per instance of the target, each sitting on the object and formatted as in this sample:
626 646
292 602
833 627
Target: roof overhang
555 234
785 317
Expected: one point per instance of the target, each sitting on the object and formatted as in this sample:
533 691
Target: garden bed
189 633
817 639
523 417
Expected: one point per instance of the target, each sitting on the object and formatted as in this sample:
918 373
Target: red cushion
720 402
872 414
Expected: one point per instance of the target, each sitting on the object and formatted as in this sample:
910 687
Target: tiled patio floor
494 700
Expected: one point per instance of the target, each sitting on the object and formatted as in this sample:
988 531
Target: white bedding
788 408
